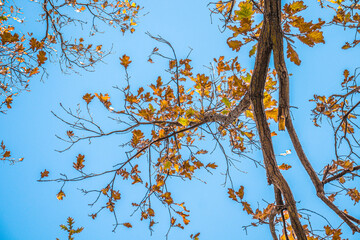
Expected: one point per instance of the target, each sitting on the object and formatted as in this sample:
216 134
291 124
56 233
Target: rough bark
271 38
284 116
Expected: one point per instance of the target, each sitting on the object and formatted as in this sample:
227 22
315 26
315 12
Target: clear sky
30 210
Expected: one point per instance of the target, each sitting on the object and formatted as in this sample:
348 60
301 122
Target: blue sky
30 210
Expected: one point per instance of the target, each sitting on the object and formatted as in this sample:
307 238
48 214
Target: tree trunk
271 39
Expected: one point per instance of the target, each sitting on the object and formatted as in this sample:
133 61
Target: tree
23 54
166 121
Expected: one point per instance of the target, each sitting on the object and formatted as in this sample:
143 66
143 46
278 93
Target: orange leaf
41 57
232 195
79 162
128 225
235 45
88 97
34 71
45 173
6 154
8 101
342 180
167 197
115 195
70 133
354 194
332 197
151 212
247 208
104 99
125 61
240 192
211 165
60 195
284 166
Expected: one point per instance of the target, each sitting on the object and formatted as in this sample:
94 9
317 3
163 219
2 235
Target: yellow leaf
176 166
253 50
316 36
235 45
104 99
294 7
249 114
346 46
246 11
292 55
8 101
226 102
342 180
167 165
183 121
60 195
272 114
354 194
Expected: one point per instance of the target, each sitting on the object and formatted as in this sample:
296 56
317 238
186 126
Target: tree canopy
178 118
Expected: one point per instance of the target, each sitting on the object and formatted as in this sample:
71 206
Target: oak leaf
354 194
79 164
45 173
70 134
60 195
125 61
151 212
128 225
232 195
247 208
88 97
235 45
211 165
104 99
246 11
284 166
292 55
240 192
8 101
41 57
115 195
6 154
